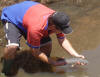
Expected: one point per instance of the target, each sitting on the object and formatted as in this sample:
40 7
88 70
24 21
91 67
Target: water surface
85 21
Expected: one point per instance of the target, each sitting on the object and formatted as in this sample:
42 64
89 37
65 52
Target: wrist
75 55
79 56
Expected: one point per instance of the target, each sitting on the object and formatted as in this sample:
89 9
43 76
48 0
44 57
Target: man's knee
11 48
10 51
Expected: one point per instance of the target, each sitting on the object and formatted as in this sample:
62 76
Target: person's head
61 22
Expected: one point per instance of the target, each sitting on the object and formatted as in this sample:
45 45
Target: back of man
29 16
15 13
24 13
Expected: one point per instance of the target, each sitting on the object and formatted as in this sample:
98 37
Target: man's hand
79 63
80 56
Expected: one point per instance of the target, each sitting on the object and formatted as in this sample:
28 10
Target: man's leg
13 37
8 59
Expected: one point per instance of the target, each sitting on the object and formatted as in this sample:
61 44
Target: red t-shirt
36 22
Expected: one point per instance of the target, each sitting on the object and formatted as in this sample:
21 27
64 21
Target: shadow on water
85 21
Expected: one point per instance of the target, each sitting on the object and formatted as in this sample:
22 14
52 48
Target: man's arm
68 47
42 56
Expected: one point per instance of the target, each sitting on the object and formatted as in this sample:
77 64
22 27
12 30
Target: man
35 22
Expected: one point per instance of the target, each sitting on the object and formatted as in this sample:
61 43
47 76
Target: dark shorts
13 35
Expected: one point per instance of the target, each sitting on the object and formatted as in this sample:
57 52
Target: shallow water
85 21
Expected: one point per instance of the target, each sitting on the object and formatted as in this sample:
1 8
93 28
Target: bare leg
13 35
9 54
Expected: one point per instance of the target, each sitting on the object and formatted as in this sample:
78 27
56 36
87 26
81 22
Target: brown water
85 21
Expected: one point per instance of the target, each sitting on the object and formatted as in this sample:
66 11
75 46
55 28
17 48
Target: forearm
42 56
68 47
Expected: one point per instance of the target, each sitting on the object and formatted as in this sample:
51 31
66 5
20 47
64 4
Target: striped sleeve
60 35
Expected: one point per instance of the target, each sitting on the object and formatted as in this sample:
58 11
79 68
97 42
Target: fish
72 61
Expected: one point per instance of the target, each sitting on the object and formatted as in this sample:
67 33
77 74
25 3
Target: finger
81 64
78 63
81 56
85 63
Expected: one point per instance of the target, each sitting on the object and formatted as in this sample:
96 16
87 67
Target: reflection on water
85 21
